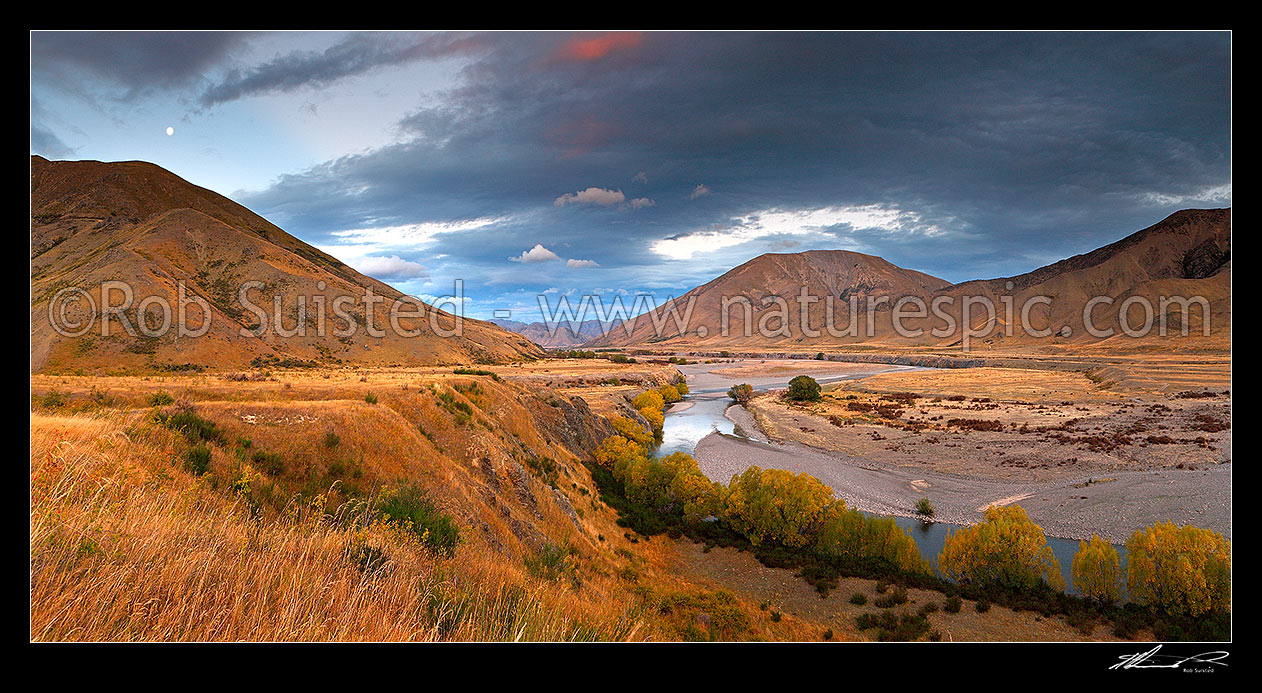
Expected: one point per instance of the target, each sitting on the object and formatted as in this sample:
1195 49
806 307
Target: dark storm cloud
1019 149
139 62
357 54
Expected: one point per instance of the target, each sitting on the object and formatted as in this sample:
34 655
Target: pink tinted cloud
582 49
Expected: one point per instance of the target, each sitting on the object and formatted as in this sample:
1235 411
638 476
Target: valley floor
1080 456
266 544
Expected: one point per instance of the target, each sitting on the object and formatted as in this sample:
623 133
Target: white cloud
581 263
591 196
392 267
640 177
778 222
536 254
363 242
699 191
451 304
1214 194
640 203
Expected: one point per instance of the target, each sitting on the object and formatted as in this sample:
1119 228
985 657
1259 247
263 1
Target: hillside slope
136 222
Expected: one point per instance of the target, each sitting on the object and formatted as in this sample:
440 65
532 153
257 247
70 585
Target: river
700 426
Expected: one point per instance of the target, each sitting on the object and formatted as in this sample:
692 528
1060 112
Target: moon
170 131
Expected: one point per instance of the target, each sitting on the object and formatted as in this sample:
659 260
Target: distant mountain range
1188 254
94 222
561 335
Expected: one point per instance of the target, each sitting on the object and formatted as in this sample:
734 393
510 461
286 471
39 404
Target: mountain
1187 254
93 222
566 334
841 274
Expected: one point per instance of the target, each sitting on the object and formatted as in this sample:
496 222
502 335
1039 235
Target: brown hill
1187 255
135 222
841 274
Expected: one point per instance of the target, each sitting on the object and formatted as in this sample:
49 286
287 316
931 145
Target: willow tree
1006 550
1183 571
742 393
1095 570
776 505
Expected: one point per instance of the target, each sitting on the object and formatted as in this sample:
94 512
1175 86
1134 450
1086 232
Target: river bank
1113 504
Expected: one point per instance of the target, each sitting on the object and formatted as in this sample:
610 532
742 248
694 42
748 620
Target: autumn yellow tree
649 399
1006 550
670 394
632 431
650 404
671 485
1095 570
861 538
1183 571
776 505
617 449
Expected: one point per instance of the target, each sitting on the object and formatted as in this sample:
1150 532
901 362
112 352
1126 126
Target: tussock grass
125 546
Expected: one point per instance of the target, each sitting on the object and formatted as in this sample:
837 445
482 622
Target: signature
1152 660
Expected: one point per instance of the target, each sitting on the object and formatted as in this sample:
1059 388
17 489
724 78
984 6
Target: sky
619 164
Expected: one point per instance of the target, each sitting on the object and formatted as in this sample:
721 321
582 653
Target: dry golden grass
123 549
1000 383
127 545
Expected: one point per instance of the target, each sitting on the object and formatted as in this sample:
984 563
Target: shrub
803 388
197 460
742 393
477 371
952 605
1183 571
552 562
269 463
459 409
1007 550
1095 570
191 425
412 510
898 596
891 627
924 507
370 398
982 606
160 399
51 399
332 439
